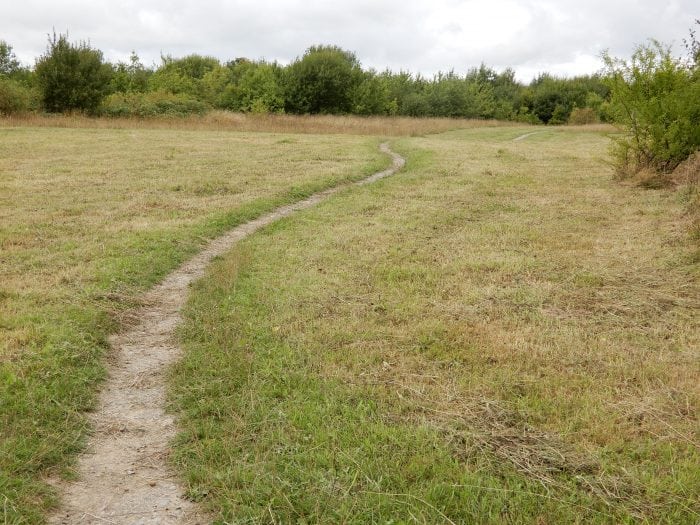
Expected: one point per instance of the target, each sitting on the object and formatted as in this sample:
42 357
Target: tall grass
273 123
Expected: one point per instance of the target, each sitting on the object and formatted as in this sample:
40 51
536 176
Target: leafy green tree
72 76
131 77
8 61
183 75
417 105
214 85
324 80
549 99
450 95
552 99
371 96
508 94
259 90
247 86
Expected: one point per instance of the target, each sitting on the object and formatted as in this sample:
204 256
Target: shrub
130 77
15 98
182 75
72 76
256 89
324 80
656 98
371 96
157 103
581 116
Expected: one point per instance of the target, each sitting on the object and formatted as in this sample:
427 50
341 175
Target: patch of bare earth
124 477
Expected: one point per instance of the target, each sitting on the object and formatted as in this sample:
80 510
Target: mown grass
501 333
271 123
89 218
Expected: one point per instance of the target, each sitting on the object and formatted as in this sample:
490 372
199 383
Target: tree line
74 76
653 96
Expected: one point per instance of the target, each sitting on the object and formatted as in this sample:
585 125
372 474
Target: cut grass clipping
498 334
89 218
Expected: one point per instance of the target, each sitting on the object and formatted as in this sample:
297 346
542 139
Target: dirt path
523 137
124 476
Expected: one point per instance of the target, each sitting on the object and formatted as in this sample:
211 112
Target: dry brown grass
598 127
228 121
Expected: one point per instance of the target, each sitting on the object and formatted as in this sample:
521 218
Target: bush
130 77
371 96
152 104
656 98
72 76
255 88
183 75
324 80
15 98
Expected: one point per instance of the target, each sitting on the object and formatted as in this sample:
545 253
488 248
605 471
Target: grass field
89 219
501 333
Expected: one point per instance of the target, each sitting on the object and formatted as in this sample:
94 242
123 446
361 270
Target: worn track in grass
526 135
124 476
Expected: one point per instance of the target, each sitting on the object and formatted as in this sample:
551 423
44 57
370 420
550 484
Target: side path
124 475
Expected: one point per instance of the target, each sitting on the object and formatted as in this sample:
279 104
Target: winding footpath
124 477
526 135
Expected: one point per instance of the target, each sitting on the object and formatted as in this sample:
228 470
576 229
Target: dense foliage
72 76
656 97
325 80
16 92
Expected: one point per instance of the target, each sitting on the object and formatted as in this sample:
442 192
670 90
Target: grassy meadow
89 219
500 333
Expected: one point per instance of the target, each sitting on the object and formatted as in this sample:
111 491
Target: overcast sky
560 36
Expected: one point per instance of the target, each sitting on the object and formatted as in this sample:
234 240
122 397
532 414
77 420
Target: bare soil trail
124 477
526 135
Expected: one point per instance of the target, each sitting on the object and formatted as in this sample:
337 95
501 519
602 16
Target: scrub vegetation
325 79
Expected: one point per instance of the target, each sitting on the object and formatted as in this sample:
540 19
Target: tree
131 77
259 90
8 61
371 96
72 76
324 80
183 75
692 44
